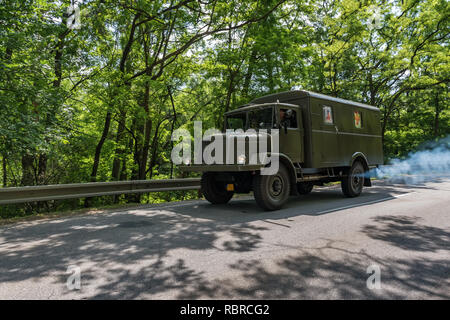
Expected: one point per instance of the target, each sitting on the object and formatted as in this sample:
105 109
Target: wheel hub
356 179
276 187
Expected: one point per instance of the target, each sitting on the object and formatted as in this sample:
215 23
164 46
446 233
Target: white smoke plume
430 163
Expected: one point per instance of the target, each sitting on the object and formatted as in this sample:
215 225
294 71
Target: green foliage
154 66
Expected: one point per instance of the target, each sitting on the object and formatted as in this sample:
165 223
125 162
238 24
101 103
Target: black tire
214 191
353 180
304 187
272 192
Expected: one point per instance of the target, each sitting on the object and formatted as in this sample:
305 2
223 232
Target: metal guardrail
93 189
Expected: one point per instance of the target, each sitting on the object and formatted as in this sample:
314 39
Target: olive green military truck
321 139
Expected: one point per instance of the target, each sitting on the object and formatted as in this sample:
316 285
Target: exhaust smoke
430 163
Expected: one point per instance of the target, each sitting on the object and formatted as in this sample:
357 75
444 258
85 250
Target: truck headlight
241 159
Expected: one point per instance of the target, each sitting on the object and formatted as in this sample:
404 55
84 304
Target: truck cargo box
334 129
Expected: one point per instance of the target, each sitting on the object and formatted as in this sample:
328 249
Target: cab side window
288 117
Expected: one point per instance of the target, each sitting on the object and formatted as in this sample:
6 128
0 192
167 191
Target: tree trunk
436 115
269 69
147 133
372 91
230 90
154 150
99 147
136 146
121 162
137 140
145 149
4 174
98 150
174 120
42 169
123 171
57 69
28 176
27 170
148 122
122 113
249 74
386 113
119 150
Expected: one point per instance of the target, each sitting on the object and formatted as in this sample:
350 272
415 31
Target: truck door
327 137
291 133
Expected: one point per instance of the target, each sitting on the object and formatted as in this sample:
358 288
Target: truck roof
253 105
289 95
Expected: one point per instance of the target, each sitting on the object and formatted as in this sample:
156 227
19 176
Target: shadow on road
329 273
135 247
320 201
407 233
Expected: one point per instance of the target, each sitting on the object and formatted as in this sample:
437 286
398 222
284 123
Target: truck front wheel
214 191
272 192
353 181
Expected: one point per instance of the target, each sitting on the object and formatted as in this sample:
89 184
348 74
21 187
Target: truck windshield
257 119
261 118
236 121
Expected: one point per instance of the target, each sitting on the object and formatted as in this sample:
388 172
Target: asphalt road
320 246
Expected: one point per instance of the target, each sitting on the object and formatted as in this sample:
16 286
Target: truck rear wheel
272 192
304 187
353 181
214 191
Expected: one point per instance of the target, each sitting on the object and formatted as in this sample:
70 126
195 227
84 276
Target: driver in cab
285 118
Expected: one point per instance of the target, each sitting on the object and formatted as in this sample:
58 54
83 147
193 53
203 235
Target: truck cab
285 117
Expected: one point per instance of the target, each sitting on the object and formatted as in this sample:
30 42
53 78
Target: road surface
319 247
